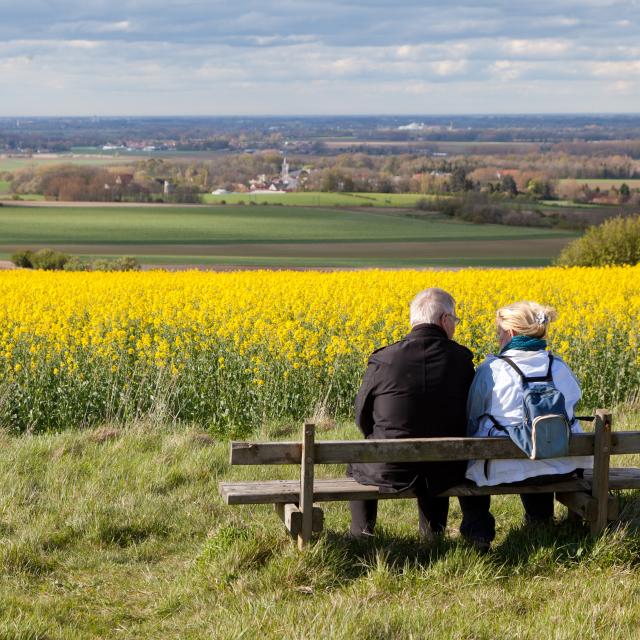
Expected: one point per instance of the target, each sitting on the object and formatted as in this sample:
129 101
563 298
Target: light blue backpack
545 428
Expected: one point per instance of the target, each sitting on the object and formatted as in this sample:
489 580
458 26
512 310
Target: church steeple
284 174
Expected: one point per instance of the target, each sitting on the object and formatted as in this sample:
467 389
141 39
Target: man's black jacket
415 388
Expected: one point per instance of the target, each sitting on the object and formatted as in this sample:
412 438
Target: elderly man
416 388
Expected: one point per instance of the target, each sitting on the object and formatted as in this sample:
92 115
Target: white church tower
284 174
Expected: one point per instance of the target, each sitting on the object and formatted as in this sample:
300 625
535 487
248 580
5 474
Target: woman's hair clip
542 318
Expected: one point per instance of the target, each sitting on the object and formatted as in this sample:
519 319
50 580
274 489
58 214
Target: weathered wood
291 516
405 450
306 485
281 491
619 477
265 453
600 477
625 442
579 502
288 491
586 506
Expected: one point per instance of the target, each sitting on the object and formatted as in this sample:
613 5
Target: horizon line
339 115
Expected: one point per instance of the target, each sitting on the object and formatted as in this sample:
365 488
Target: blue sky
137 57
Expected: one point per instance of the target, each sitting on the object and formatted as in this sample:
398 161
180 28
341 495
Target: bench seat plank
288 491
620 477
340 489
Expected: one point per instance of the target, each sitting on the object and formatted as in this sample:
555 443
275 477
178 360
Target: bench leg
306 485
582 506
291 516
600 483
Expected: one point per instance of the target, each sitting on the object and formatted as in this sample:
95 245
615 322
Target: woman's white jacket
497 390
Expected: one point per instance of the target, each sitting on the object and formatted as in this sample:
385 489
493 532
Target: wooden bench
587 498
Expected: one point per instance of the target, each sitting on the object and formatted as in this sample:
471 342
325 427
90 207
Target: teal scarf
525 343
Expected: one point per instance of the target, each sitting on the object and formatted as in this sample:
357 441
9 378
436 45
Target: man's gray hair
429 305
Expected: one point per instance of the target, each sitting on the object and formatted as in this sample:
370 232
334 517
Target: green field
215 225
15 163
570 204
274 236
605 183
319 198
120 533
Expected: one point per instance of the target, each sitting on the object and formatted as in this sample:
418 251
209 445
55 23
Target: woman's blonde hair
526 319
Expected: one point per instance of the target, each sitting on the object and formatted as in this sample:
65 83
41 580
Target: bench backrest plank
413 449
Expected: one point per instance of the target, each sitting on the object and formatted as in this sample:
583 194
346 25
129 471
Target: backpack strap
545 378
495 423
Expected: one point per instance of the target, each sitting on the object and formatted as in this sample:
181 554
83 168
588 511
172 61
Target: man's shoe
481 546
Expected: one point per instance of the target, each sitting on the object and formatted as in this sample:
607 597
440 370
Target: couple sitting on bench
425 387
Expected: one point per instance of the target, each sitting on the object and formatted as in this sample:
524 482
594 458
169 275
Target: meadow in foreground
229 351
120 533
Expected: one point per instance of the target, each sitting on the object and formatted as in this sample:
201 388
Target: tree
508 185
459 180
625 192
539 188
616 241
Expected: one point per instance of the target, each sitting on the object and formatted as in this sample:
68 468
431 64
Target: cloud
449 67
615 69
81 44
321 56
509 70
536 48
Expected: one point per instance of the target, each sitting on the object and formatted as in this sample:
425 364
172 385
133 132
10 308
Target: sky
268 57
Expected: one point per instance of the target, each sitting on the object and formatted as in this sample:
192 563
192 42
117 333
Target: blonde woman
496 398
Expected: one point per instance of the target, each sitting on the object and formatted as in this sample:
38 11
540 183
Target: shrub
124 263
75 264
49 260
450 207
615 241
23 259
101 264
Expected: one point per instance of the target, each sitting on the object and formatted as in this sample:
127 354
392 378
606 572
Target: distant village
287 180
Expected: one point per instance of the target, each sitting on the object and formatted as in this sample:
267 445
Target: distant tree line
537 176
95 184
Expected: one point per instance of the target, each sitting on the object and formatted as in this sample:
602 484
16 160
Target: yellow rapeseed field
232 349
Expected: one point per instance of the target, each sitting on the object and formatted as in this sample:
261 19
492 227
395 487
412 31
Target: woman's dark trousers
478 523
